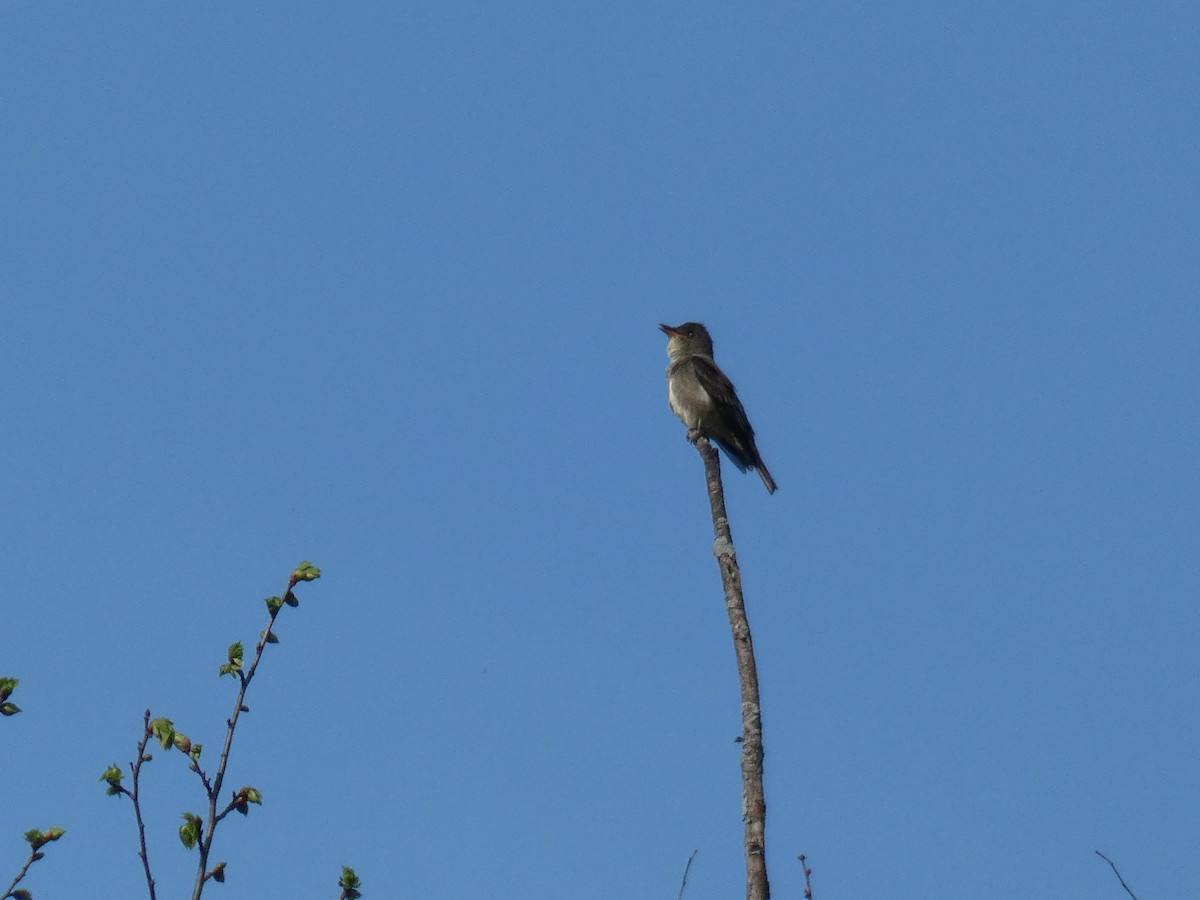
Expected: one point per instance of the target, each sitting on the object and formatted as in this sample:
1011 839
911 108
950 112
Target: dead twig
1128 890
686 869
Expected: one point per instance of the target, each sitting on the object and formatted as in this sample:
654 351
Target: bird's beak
669 331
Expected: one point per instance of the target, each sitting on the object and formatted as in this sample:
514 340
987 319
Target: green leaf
113 776
306 571
8 708
274 604
189 831
349 884
163 729
194 753
113 773
245 796
7 686
271 638
218 872
235 655
38 839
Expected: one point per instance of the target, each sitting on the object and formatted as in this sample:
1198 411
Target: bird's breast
686 395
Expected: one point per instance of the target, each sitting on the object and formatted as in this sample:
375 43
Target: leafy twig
306 571
197 831
37 840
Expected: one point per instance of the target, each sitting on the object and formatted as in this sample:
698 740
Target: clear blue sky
378 285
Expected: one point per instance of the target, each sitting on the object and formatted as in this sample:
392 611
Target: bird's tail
765 476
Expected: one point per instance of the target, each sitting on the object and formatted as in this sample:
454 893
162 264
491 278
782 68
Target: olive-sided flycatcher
704 398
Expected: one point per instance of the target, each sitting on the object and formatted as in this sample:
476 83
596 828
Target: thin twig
686 869
136 769
754 803
34 856
194 765
1128 890
808 894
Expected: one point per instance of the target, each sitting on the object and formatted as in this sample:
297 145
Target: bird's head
688 339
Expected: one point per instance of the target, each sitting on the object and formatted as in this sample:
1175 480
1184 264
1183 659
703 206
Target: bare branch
807 876
136 769
1128 890
754 804
34 856
686 869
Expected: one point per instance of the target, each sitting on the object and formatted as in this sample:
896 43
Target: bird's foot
694 434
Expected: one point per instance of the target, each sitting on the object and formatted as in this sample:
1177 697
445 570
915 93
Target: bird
705 400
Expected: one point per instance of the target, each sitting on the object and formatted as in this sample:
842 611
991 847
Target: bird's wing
718 386
727 425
